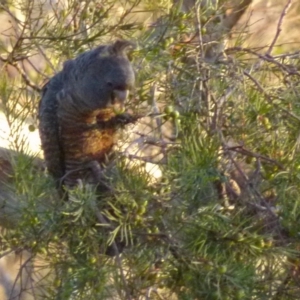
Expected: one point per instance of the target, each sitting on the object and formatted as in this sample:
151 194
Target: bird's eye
109 84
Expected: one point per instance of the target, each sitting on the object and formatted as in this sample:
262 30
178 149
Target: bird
80 112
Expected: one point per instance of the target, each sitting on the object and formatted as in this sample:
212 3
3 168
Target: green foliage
220 223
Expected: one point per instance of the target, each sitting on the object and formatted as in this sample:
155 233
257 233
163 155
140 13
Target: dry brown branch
268 97
271 59
242 150
23 267
279 26
25 77
218 108
265 206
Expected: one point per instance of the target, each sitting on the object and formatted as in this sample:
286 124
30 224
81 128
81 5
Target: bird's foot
124 119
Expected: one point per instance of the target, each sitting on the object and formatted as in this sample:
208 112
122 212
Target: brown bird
79 112
79 115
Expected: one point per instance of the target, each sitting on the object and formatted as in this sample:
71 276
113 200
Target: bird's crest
119 48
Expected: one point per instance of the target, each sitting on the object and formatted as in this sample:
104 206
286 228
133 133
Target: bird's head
103 77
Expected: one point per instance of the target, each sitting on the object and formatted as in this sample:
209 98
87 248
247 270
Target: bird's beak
120 97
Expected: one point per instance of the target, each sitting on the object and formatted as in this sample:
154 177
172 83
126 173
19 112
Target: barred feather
76 116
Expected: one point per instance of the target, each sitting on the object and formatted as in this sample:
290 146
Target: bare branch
279 26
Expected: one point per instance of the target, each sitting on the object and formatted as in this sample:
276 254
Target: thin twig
248 181
242 150
19 276
25 77
218 107
102 220
268 97
271 59
147 159
279 26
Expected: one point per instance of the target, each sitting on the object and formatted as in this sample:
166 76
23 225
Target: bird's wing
49 128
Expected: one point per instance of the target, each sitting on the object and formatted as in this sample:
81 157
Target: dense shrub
219 221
